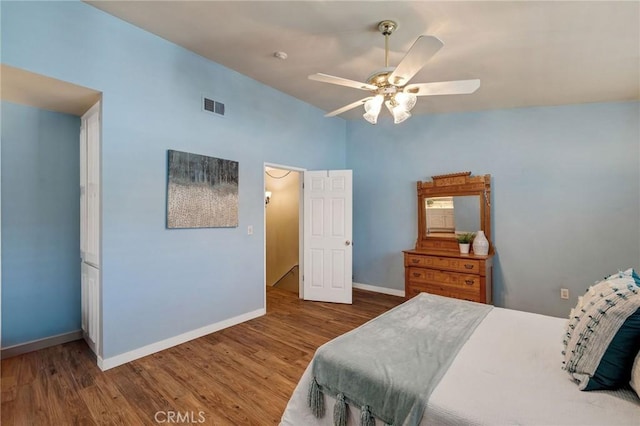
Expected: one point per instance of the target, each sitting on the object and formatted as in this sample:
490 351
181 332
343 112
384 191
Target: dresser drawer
465 282
416 288
460 265
447 263
460 281
415 260
420 274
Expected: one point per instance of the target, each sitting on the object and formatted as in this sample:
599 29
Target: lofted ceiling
525 53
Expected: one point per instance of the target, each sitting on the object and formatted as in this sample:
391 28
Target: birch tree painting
202 192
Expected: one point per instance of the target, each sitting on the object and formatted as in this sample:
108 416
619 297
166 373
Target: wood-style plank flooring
243 375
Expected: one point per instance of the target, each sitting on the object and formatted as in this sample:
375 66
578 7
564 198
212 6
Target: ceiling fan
389 85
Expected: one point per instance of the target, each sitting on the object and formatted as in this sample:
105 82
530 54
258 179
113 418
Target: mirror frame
451 185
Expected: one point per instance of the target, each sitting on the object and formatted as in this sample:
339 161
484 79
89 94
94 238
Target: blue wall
40 224
566 194
159 283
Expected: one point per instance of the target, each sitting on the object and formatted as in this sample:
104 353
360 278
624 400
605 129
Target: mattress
508 372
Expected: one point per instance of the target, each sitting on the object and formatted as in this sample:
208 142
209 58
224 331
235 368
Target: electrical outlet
250 230
564 293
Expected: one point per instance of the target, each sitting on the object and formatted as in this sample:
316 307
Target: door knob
347 243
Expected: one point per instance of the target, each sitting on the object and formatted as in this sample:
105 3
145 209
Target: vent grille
213 106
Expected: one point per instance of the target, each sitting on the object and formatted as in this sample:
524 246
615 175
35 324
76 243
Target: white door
90 305
90 186
90 226
327 235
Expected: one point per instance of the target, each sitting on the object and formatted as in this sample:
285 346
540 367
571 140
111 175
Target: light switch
250 230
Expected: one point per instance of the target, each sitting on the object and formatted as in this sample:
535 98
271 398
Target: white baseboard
36 345
117 360
384 290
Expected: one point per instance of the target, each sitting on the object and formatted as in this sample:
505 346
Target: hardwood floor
243 375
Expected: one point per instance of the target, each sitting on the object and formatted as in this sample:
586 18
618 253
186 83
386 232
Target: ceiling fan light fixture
399 113
406 100
371 118
372 109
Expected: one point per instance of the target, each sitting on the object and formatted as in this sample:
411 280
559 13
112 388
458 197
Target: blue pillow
614 370
603 334
635 375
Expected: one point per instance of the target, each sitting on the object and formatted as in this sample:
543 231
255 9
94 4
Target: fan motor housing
380 77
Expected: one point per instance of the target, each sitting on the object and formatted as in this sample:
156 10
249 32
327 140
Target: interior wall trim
36 345
114 361
377 289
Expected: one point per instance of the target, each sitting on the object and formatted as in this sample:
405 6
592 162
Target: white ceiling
525 53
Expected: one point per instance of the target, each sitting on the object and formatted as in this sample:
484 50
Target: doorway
50 111
283 231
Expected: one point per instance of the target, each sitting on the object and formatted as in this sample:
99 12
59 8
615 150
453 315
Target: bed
508 371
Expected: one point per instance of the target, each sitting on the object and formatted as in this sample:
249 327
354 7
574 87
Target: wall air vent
212 106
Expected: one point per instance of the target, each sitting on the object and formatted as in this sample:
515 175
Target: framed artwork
202 192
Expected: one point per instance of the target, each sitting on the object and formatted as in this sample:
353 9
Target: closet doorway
283 228
49 111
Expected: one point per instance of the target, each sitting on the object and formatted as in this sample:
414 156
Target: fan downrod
380 77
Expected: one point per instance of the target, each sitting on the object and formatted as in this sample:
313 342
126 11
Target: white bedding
508 372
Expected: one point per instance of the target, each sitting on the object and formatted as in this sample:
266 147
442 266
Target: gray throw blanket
389 366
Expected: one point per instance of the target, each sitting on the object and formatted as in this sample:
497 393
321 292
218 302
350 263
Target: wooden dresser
436 264
463 276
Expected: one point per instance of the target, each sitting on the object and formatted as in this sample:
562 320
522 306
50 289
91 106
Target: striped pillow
603 334
628 273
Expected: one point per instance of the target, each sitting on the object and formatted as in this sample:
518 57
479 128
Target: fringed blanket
389 366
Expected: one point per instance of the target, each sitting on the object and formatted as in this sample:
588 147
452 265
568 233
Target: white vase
481 244
464 248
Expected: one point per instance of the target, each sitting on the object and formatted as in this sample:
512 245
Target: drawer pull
416 274
469 282
466 265
415 260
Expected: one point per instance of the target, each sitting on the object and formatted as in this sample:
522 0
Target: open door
90 239
328 248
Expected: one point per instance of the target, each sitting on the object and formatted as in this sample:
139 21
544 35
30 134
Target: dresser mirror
447 216
452 204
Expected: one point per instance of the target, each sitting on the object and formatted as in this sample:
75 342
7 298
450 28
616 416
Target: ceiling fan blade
348 107
326 78
418 55
457 87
